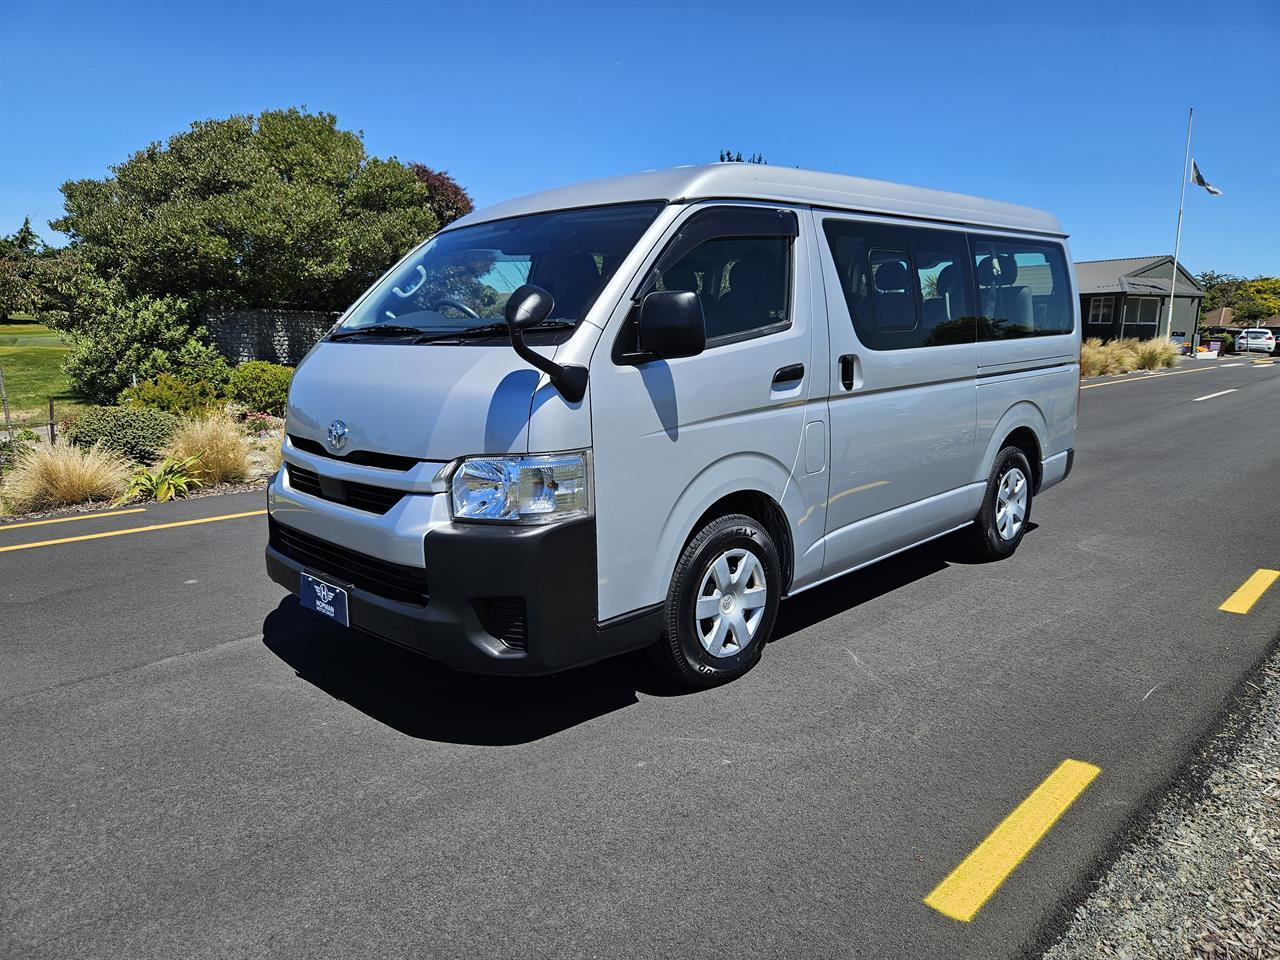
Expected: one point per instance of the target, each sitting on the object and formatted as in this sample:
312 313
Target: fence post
4 398
53 427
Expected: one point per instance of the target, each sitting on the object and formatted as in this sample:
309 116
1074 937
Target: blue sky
1079 108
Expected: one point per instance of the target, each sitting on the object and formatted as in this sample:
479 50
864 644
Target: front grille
362 496
395 581
366 458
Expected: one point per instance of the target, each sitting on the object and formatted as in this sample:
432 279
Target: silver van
640 412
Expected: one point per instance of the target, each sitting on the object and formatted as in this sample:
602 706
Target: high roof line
761 182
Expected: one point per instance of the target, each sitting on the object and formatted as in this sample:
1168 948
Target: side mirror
527 307
671 324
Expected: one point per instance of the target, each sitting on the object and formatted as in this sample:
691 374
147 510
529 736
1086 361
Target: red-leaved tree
449 200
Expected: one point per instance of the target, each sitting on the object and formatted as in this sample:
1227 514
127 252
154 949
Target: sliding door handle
847 362
788 375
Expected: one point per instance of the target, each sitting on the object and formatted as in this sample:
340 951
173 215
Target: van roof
751 181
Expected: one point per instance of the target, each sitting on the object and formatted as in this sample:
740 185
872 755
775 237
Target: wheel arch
1023 426
747 483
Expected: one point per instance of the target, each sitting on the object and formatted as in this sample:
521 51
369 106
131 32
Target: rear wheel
1006 507
722 603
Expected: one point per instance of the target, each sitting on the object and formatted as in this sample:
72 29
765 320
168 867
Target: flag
1198 179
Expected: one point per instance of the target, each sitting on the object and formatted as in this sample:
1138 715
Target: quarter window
1023 289
905 287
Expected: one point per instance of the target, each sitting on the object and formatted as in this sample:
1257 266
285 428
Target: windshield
462 278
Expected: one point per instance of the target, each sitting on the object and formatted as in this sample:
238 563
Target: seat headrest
892 277
755 276
999 270
948 278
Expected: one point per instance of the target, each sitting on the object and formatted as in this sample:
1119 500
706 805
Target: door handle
790 374
846 370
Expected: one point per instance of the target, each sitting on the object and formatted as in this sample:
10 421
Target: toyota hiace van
641 412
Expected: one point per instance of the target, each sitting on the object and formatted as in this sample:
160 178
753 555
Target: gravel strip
1203 878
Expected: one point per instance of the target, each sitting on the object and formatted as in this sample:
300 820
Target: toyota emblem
337 434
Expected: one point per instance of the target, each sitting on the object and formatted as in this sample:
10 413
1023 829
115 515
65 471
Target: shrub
217 444
138 433
62 475
169 481
1156 354
166 392
260 386
1120 356
115 338
1092 362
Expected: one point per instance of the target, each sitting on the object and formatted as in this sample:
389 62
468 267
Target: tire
998 530
734 552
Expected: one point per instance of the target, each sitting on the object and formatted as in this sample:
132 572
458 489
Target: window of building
1023 289
905 287
1102 311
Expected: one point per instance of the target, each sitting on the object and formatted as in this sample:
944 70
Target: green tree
1249 300
728 156
281 209
20 255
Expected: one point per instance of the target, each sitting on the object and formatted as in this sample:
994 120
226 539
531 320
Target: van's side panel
902 437
672 437
1032 382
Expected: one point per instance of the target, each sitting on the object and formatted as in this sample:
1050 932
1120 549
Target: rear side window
1023 289
905 287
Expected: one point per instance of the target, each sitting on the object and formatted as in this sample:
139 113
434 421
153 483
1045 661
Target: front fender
736 473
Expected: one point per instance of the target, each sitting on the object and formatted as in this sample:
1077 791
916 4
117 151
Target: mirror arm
570 380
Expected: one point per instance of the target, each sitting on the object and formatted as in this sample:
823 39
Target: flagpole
1177 242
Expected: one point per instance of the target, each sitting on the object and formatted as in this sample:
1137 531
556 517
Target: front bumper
501 600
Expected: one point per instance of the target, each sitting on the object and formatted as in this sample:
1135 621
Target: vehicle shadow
424 699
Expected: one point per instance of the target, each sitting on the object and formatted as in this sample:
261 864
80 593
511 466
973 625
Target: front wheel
722 603
1006 507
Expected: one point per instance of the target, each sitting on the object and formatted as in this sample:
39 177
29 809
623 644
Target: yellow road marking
968 886
82 516
1242 600
121 533
1154 376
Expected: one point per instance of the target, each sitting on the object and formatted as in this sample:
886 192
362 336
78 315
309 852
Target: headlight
533 489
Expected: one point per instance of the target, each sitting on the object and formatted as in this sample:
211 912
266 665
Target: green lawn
31 358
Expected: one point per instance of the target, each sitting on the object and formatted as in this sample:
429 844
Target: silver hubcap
1011 503
730 603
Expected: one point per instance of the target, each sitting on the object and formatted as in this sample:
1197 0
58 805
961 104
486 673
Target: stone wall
281 336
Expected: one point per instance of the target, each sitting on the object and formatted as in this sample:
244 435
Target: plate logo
324 592
337 434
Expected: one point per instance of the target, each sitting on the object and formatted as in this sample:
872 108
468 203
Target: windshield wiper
375 330
489 330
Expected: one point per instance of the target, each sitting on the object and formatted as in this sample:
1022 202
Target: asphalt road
192 767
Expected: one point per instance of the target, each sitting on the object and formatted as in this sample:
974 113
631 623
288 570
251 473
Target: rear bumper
500 600
1056 469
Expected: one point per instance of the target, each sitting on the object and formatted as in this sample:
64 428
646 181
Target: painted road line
1242 600
1220 393
82 516
1237 364
1148 378
980 874
121 533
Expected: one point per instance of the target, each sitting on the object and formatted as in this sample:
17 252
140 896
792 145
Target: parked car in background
1256 341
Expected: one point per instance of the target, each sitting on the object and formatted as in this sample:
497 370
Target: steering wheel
457 305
